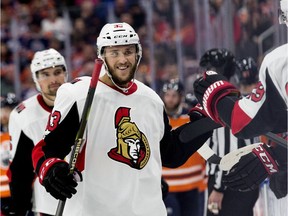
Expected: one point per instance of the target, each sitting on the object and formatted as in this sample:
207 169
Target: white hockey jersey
27 124
122 158
265 109
127 140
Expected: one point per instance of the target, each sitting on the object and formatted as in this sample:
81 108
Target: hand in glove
209 89
55 177
252 169
197 112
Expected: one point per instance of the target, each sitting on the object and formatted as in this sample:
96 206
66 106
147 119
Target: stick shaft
208 154
84 118
277 139
60 207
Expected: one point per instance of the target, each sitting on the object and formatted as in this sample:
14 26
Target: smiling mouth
122 69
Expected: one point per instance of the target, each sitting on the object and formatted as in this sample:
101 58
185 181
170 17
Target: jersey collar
43 104
131 90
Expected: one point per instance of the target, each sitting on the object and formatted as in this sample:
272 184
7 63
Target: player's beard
51 91
53 88
122 82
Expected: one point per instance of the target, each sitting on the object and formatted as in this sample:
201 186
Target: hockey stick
79 136
230 159
233 157
277 139
204 125
208 154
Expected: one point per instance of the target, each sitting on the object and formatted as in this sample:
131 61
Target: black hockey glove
197 112
251 170
209 89
54 176
278 183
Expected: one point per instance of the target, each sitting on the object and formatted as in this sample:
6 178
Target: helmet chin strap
125 90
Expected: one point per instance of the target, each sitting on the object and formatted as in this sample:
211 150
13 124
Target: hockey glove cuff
197 112
55 177
210 89
251 170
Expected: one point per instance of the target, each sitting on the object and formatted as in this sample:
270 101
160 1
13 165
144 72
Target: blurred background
174 35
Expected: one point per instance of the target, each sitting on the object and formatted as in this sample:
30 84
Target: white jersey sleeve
26 127
265 109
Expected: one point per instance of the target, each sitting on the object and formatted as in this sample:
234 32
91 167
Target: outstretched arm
174 153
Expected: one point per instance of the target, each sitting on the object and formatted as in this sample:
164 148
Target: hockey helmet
247 71
173 84
9 100
115 34
221 60
283 12
46 59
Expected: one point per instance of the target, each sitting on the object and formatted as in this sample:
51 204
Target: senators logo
132 145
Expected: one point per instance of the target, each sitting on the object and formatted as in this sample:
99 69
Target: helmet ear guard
46 59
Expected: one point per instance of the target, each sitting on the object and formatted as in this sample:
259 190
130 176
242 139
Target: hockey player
223 200
128 136
8 103
221 59
264 110
27 123
246 75
186 183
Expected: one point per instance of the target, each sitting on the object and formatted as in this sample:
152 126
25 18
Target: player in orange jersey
186 183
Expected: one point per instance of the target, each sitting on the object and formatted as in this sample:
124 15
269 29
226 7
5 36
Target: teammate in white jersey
264 110
128 136
26 127
220 198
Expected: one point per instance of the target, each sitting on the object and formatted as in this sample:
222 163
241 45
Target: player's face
50 79
172 100
121 62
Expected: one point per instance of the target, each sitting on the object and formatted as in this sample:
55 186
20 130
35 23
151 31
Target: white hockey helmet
46 59
283 12
115 34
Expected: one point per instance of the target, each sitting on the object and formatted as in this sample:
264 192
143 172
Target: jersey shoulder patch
20 107
75 80
80 79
